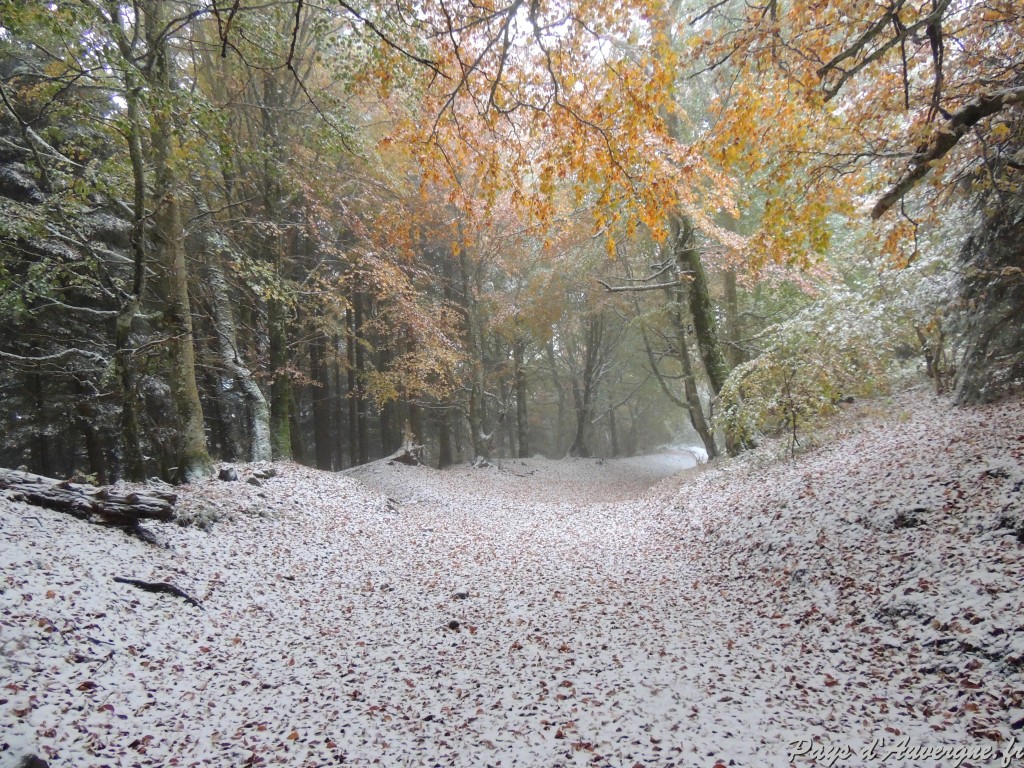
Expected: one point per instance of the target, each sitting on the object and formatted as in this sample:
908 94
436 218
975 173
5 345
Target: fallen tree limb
409 453
164 587
84 501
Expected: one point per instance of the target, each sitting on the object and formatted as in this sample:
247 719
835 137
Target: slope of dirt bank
883 574
544 613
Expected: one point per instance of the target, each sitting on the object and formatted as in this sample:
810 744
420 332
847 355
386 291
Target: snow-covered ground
545 613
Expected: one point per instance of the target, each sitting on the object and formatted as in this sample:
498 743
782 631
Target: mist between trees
322 232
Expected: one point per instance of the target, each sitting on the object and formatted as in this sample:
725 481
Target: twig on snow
160 586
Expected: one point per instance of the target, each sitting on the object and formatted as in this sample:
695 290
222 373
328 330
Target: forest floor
852 605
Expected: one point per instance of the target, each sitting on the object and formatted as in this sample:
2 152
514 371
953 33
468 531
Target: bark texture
259 447
84 501
702 309
169 250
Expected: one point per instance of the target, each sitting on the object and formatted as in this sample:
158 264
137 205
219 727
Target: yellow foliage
819 104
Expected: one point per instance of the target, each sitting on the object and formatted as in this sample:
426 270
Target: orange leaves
821 103
544 113
549 110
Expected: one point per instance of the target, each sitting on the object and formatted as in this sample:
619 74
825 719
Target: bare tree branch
904 32
35 359
944 139
637 288
430 64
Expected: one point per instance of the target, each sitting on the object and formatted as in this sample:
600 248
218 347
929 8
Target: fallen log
164 587
84 501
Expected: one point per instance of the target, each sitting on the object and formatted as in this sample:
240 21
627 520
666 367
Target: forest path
575 481
502 616
541 614
581 639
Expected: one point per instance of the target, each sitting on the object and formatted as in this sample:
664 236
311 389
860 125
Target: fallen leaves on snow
540 613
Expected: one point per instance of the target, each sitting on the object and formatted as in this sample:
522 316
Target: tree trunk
223 437
40 456
85 418
613 433
522 423
281 395
351 366
193 460
584 389
323 431
579 442
415 422
390 428
701 310
691 403
301 401
699 299
362 406
169 248
299 436
338 405
477 418
503 420
133 466
258 439
85 500
445 458
445 449
391 421
734 350
479 425
692 393
556 382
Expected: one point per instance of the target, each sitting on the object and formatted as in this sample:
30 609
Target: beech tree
160 75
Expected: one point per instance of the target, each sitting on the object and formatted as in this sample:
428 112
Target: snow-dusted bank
861 605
